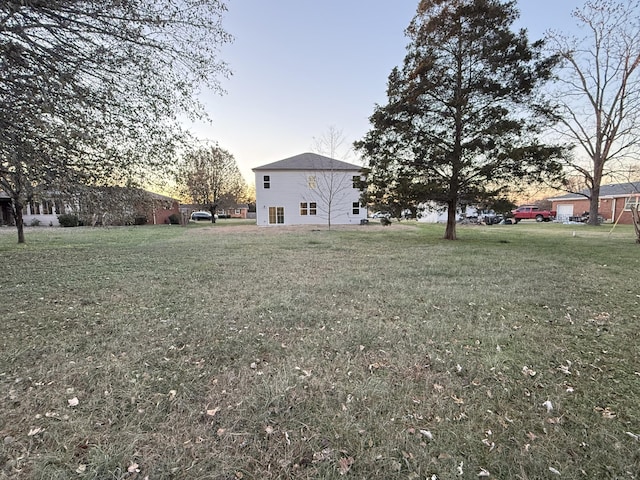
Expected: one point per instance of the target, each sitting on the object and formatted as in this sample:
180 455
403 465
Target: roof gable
309 161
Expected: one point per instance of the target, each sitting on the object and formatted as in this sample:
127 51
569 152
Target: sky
300 67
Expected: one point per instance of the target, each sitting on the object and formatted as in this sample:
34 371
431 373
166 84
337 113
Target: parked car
526 212
200 216
381 215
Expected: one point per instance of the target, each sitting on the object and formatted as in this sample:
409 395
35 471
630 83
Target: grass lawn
236 352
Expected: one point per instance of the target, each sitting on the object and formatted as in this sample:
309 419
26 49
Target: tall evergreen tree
463 117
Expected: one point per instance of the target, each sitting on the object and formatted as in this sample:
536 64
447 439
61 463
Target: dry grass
361 352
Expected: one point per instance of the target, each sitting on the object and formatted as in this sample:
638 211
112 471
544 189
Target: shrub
68 220
34 222
174 219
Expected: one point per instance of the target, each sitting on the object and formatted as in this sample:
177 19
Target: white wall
290 188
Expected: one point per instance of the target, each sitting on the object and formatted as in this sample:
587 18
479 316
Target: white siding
288 189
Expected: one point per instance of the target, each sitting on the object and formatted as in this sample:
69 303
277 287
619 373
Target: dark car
200 216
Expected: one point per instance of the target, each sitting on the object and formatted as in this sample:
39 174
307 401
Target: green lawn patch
230 351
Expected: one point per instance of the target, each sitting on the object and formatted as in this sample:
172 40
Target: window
356 181
276 215
35 208
237 211
311 181
267 181
631 202
47 207
59 207
308 208
356 208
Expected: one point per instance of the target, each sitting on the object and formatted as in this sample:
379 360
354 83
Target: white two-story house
308 189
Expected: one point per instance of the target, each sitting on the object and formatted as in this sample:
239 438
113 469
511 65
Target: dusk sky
302 66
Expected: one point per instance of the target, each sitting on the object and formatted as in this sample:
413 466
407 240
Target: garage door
564 212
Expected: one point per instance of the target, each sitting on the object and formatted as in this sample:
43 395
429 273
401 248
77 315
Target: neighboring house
5 209
162 208
308 189
45 211
234 211
615 203
431 212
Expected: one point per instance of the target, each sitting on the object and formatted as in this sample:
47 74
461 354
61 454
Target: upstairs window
304 208
312 208
267 181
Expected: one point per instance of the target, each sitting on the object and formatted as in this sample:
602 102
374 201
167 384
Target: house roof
612 190
309 161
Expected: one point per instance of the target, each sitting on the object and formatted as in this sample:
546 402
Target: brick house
615 203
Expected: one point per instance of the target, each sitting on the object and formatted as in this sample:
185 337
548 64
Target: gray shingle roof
309 161
613 190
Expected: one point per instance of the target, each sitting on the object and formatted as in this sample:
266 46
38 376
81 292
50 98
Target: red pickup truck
526 212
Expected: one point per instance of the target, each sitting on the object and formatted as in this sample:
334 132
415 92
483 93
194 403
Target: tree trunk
594 201
450 232
593 208
16 210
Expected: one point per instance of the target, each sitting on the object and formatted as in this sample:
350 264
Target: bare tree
333 144
210 175
598 92
332 185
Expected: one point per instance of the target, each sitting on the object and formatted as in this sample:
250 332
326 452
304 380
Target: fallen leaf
133 468
483 473
35 431
554 471
606 412
344 465
212 412
73 402
548 405
427 434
